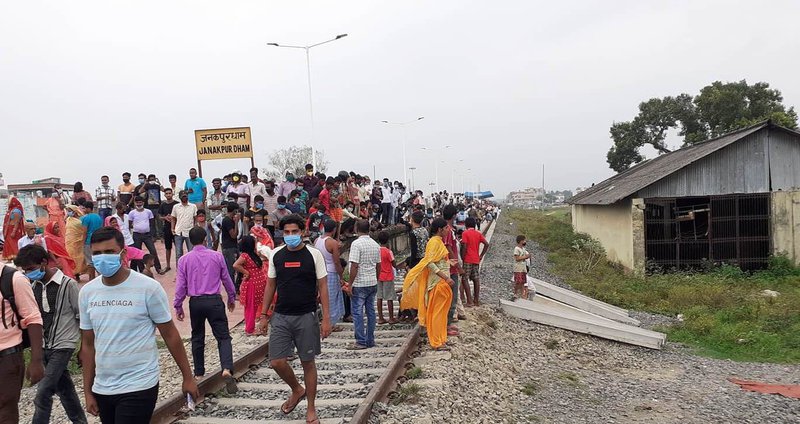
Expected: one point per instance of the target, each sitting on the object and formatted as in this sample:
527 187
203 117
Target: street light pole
310 98
436 160
412 177
405 139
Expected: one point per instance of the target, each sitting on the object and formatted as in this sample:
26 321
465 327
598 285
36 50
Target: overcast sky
102 87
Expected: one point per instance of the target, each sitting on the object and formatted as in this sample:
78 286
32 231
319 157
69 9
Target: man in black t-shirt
298 274
229 232
165 215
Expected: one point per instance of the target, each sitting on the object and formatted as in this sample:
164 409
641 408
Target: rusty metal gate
688 232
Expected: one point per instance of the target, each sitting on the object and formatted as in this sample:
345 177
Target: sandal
356 346
381 321
394 321
453 333
230 384
289 410
443 348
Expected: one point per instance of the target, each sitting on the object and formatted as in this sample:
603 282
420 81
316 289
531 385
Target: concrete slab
267 372
556 314
210 420
282 387
268 403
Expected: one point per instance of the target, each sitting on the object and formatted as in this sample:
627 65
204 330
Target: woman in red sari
13 228
254 282
54 239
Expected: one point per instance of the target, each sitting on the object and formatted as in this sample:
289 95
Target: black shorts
169 237
290 332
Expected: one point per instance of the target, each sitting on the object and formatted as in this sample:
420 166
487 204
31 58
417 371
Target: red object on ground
788 390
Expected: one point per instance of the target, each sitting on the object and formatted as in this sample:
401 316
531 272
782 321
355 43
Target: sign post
223 143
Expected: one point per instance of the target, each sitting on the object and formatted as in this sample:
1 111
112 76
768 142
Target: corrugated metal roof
643 174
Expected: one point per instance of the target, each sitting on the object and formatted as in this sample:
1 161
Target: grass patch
414 373
724 314
569 377
407 393
530 389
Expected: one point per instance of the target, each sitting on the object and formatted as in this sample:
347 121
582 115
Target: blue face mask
292 240
280 206
35 275
107 264
260 205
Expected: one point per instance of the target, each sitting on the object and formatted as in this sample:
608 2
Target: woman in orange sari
57 248
427 287
13 228
74 237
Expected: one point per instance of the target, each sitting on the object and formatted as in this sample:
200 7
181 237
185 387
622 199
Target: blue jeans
451 313
179 240
104 212
57 381
364 298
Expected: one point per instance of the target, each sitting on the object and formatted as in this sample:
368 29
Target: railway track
349 382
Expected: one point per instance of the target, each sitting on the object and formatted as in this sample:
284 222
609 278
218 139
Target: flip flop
230 384
356 346
314 421
285 404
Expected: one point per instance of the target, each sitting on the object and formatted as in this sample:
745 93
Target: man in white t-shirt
183 215
119 313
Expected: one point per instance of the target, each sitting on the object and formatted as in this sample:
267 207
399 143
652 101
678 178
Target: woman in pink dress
254 282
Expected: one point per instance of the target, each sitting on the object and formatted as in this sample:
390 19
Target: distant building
33 197
731 199
525 198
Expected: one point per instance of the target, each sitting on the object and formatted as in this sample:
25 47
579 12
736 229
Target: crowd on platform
274 246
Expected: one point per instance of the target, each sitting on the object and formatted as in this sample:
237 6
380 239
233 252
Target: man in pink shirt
201 273
12 364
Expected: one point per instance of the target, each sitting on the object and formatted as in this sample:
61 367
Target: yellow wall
612 225
785 223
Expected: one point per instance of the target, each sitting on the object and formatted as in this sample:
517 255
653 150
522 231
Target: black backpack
7 290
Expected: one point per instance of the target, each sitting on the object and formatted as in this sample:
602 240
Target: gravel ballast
507 370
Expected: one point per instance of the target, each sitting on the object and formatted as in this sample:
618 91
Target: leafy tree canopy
718 109
293 159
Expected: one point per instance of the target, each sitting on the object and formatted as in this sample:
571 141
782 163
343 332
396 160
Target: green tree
718 109
294 159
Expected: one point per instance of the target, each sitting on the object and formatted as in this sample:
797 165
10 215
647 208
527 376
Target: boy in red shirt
386 280
472 239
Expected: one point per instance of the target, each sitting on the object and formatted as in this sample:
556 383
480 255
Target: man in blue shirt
198 191
92 222
119 313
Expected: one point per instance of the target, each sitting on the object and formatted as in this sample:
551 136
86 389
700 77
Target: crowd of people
274 246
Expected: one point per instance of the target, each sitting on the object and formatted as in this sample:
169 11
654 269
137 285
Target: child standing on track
521 256
386 280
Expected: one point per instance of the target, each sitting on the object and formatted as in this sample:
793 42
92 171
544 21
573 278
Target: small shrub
413 373
551 344
407 393
781 266
530 389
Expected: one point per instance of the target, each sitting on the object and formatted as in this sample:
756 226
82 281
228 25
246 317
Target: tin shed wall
784 160
741 167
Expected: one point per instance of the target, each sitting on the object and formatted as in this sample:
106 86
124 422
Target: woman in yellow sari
427 287
74 238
